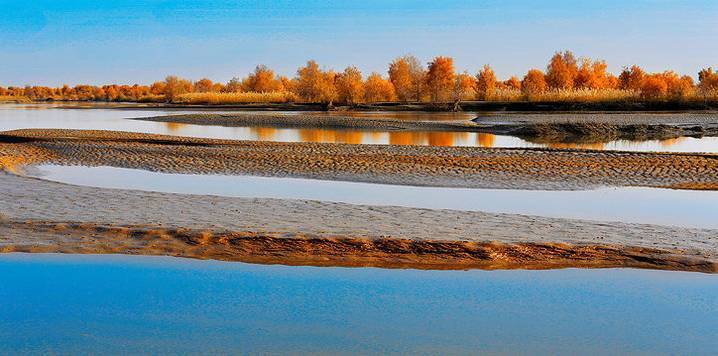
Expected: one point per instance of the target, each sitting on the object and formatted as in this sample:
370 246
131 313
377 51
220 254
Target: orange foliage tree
407 76
234 85
708 80
485 83
203 85
350 87
440 78
562 71
592 75
512 83
534 83
465 87
175 86
631 78
262 80
378 89
314 85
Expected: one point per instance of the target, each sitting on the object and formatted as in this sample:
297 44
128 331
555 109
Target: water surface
104 117
637 205
70 304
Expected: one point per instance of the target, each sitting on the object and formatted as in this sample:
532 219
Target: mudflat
470 167
43 216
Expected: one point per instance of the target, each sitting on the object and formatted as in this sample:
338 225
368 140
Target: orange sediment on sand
345 251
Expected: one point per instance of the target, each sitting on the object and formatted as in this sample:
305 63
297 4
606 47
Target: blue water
125 304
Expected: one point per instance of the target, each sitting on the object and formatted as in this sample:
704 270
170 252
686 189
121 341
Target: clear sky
127 41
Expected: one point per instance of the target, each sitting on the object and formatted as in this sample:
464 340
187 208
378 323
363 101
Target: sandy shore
42 216
412 165
314 120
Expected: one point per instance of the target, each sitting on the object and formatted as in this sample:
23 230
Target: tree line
409 80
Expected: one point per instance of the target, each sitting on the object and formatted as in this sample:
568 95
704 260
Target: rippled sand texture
436 166
42 216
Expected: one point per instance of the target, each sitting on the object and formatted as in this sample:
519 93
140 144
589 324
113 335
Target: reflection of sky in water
40 116
127 304
641 205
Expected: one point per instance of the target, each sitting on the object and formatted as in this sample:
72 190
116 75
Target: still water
637 205
18 116
87 304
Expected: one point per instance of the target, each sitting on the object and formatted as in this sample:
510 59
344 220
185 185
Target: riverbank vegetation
566 79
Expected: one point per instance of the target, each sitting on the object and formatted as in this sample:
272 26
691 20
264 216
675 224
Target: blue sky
125 41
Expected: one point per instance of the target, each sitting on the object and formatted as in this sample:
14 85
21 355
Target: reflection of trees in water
174 126
441 138
332 136
485 140
671 141
407 138
584 146
263 133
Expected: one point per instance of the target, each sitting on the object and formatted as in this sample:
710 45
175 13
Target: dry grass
506 95
586 95
14 99
235 98
572 96
151 99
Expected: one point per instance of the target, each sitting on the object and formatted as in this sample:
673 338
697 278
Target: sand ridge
39 215
411 165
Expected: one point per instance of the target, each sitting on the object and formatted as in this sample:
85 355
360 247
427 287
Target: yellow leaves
534 83
485 83
378 89
440 78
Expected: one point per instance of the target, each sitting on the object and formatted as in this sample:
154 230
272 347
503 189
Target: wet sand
468 167
42 216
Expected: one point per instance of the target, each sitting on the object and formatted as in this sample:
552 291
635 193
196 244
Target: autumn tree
562 70
653 86
314 85
512 83
440 78
175 86
534 83
350 86
378 89
465 87
407 76
234 85
631 78
485 83
203 85
707 80
591 75
677 87
262 80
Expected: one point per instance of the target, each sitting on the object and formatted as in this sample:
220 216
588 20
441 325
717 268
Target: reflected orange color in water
352 137
332 136
174 126
441 138
486 140
583 146
406 138
672 141
264 133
